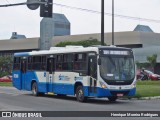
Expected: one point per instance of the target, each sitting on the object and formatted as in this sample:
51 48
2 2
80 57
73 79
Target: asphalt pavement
12 99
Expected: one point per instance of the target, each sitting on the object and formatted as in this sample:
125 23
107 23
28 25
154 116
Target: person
123 75
143 75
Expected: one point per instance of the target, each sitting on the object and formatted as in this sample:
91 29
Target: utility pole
102 22
112 22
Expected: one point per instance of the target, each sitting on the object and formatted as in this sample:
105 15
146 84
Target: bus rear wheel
112 99
80 94
35 89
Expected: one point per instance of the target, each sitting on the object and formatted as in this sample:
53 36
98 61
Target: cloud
25 21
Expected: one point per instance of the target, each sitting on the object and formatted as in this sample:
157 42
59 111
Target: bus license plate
119 95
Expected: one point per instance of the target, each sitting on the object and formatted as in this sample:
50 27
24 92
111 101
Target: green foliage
142 65
5 66
84 43
152 60
7 84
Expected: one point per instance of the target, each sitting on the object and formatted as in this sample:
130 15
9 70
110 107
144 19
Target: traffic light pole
45 6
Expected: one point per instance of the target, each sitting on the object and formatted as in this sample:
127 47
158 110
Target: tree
142 65
152 60
5 66
84 43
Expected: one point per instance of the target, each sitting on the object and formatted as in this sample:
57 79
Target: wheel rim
34 89
80 95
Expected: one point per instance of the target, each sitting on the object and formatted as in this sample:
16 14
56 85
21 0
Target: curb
141 98
149 98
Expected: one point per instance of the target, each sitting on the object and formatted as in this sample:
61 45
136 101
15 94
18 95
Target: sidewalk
141 98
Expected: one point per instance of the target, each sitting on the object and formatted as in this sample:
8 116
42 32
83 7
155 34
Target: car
152 75
6 78
148 75
138 74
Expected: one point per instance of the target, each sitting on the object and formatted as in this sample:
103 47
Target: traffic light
46 9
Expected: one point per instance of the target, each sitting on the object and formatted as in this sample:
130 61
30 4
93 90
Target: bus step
50 93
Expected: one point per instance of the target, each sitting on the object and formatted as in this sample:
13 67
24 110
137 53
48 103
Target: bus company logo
15 75
6 114
65 78
44 74
78 78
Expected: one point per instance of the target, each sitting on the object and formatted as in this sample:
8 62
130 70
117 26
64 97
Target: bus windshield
117 68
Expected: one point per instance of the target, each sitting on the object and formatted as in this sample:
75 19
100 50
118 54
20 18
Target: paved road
12 99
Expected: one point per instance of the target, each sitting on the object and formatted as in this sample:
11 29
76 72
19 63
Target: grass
7 84
148 89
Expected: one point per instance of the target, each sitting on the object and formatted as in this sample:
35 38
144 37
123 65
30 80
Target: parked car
152 76
6 78
148 75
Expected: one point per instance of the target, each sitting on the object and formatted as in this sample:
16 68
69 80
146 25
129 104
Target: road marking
13 94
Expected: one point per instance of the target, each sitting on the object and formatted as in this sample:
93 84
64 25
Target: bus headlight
134 85
102 85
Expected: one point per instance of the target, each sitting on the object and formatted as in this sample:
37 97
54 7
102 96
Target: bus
97 71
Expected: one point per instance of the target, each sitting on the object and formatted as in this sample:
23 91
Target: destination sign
113 52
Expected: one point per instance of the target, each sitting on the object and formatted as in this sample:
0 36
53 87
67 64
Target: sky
24 21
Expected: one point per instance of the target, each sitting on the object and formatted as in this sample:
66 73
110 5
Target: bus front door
23 73
92 71
50 70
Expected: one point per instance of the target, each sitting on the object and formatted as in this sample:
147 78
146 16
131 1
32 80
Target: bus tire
35 89
112 99
80 94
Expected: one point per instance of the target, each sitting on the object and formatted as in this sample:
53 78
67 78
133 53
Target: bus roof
67 49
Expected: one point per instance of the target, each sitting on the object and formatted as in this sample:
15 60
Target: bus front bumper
120 93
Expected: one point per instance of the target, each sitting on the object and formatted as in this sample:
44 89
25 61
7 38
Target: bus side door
50 70
23 72
92 72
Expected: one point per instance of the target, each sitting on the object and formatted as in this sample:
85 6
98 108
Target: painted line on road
13 94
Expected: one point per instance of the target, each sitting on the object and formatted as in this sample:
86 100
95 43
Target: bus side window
67 62
43 63
16 64
29 63
80 62
59 62
36 63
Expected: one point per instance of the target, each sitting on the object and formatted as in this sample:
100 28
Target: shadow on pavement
89 100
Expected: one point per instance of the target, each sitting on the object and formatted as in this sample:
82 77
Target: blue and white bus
102 71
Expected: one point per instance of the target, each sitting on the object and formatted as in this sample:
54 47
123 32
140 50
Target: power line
87 10
7 1
109 14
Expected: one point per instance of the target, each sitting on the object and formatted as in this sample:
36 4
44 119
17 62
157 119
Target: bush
84 43
5 66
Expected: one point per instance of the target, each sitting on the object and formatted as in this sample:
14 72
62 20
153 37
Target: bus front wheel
80 94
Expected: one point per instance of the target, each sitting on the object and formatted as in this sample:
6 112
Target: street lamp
102 22
112 22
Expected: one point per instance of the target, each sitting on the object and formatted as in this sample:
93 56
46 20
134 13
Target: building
9 46
58 25
17 36
142 42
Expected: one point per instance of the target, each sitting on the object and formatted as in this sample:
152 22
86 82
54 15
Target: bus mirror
99 61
